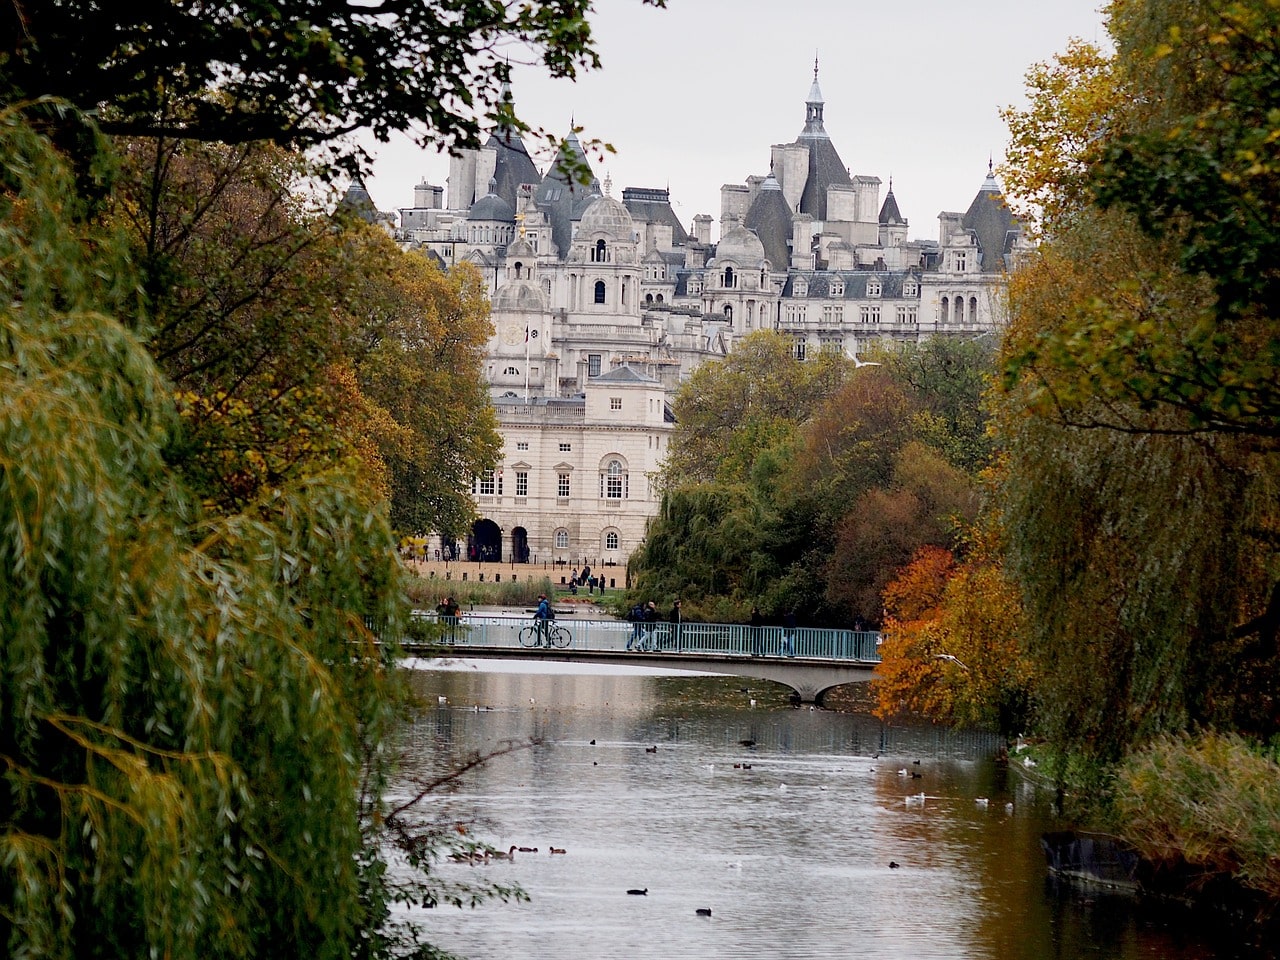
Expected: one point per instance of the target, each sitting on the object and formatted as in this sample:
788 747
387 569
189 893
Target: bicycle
552 635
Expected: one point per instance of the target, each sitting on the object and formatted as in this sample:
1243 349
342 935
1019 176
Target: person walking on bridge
675 625
542 615
636 616
650 618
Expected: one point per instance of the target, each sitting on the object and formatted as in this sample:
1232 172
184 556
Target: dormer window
873 288
959 259
800 288
910 288
837 287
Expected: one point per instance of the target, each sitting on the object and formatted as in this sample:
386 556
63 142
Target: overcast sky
693 96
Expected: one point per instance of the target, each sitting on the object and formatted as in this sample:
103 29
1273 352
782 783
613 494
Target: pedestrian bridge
809 660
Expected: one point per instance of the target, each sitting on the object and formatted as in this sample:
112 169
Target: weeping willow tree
1140 411
190 704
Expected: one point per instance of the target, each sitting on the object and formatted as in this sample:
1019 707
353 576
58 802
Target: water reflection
782 822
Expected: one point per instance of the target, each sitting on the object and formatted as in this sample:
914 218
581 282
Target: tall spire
813 107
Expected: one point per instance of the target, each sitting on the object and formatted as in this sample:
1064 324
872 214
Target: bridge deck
810 660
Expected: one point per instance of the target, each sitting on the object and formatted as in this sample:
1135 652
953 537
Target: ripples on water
791 855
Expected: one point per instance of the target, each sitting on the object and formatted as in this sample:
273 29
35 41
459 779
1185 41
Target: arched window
973 309
600 291
727 279
599 253
562 539
519 267
511 372
728 313
611 540
648 298
959 309
613 481
660 298
946 309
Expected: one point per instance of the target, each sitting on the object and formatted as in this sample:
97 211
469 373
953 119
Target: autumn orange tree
952 649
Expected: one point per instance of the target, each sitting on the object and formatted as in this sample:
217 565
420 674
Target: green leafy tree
422 338
730 410
304 72
168 679
1140 375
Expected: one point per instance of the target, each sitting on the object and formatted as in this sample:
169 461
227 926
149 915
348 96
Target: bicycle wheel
529 636
560 637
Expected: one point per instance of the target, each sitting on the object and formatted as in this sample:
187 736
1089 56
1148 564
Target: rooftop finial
991 167
815 66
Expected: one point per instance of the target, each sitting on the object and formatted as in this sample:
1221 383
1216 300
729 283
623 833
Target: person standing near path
757 621
675 624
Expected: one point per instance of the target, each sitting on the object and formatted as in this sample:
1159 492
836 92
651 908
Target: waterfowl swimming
703 911
894 864
499 855
981 802
653 749
527 849
555 850
639 893
747 743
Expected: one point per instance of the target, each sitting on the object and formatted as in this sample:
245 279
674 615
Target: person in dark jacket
650 618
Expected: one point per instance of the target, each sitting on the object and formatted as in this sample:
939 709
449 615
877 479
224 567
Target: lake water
787 838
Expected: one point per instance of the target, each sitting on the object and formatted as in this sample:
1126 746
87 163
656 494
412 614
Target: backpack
637 613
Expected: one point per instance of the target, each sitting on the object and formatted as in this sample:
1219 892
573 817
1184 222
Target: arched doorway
486 541
520 545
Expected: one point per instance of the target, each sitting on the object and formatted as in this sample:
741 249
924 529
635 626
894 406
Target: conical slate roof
358 202
993 223
558 193
770 218
889 215
825 166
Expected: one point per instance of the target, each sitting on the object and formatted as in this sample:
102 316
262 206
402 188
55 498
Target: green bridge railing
719 639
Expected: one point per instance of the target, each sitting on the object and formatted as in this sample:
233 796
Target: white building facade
602 307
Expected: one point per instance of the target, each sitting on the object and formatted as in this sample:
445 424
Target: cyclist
542 615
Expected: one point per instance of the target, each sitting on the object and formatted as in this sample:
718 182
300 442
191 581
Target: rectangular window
566 447
522 445
522 483
488 483
615 403
800 349
562 486
593 365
